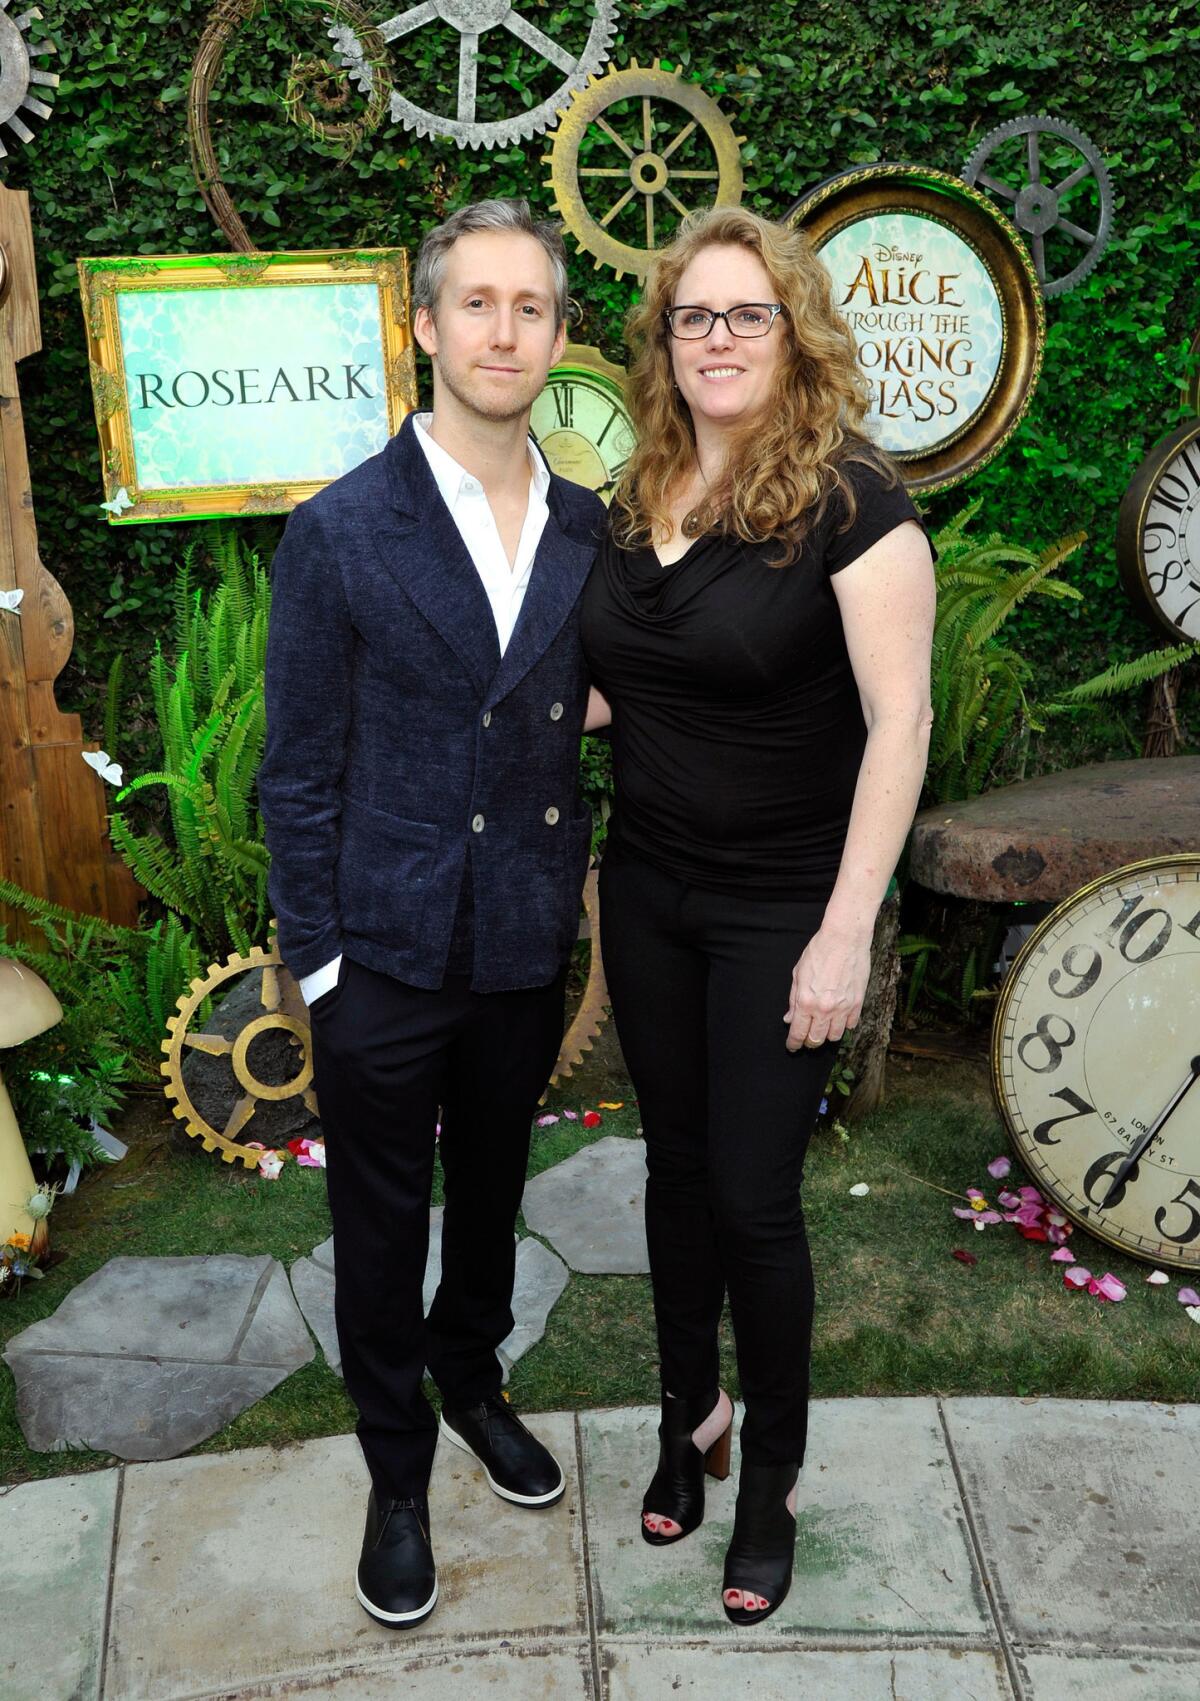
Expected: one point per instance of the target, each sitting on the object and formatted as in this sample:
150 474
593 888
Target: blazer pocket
384 872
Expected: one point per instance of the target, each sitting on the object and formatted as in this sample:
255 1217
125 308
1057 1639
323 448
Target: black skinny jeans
699 983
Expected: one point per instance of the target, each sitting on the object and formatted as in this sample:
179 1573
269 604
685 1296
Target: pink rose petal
1108 1287
999 1167
546 1121
1077 1276
1010 1201
1062 1256
571 1115
1188 1296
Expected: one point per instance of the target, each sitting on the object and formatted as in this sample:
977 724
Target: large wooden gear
282 1009
646 171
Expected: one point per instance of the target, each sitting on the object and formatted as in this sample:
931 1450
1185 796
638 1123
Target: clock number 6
1043 1034
1193 1228
1102 1171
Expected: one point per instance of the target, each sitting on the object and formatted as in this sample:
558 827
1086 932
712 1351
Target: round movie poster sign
945 308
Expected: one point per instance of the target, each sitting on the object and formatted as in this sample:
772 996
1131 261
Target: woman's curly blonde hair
783 466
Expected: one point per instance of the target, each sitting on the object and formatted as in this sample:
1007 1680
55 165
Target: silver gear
16 75
1034 207
472 18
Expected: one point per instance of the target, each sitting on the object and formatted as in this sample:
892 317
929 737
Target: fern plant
982 713
209 863
979 685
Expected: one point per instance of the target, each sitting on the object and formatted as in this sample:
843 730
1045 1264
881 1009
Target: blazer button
556 711
477 824
487 717
552 816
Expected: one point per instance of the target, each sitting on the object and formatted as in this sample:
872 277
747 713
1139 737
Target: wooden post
53 811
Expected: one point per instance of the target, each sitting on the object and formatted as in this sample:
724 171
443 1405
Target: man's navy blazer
400 743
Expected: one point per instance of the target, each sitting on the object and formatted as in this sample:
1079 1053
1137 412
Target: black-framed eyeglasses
751 319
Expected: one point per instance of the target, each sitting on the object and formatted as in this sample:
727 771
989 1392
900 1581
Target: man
425 696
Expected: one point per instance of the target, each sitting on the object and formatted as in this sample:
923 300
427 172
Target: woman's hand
828 986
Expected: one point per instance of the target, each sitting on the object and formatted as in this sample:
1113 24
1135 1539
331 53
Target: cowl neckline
656 594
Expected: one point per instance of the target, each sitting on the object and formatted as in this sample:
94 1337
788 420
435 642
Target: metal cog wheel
646 170
1035 205
472 18
283 1009
16 73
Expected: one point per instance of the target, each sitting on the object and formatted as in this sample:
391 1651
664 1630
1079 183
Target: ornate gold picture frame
241 384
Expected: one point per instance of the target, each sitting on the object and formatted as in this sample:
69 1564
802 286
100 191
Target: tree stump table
1041 840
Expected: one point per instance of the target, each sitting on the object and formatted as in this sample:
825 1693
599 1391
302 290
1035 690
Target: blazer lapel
560 567
422 549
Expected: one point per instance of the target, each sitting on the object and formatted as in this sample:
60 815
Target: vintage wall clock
945 307
1096 1058
581 422
1158 534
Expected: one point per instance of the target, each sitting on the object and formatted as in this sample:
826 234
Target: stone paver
56 1538
256 1551
455 1674
1071 1677
591 1207
151 1355
1086 1514
882 1549
537 1288
691 1674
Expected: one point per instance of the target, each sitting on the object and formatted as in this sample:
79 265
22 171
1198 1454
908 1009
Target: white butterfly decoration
98 759
119 503
11 600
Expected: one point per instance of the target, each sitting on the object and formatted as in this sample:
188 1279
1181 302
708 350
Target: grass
896 1313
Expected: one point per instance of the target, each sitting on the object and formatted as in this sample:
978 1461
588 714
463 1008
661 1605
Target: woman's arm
887 600
598 712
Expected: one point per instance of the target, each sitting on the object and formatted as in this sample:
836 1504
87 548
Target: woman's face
726 380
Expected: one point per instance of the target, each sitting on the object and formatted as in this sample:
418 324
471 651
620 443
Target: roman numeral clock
1096 1058
581 422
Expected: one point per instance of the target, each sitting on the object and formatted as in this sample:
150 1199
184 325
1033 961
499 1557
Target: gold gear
648 172
283 1007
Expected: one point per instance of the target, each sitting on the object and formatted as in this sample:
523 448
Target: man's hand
828 986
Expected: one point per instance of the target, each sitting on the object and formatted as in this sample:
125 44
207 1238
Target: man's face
493 339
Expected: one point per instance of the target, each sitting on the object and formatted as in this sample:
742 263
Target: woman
760 621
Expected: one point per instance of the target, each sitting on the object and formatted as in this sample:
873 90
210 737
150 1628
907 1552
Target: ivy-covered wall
813 88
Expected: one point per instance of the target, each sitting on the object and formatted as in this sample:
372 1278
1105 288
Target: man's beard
503 408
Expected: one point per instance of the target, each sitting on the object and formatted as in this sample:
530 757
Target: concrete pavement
952 1550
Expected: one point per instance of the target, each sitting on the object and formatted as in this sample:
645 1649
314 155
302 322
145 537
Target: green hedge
813 88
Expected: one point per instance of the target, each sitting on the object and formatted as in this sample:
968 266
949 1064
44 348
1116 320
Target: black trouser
700 983
385 1057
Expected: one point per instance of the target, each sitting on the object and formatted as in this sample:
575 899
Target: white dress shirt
505 585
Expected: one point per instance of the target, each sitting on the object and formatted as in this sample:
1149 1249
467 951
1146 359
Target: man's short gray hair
487 215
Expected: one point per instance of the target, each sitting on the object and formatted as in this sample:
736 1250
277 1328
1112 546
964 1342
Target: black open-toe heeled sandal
677 1487
760 1555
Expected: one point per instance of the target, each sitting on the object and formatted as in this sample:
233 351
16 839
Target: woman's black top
737 730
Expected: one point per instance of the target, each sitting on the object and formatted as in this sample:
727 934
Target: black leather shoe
396 1580
514 1462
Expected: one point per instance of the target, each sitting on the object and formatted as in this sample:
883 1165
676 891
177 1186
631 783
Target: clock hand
1172 1105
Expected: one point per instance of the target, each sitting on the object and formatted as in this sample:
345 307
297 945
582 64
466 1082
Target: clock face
1158 534
582 428
1096 1046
